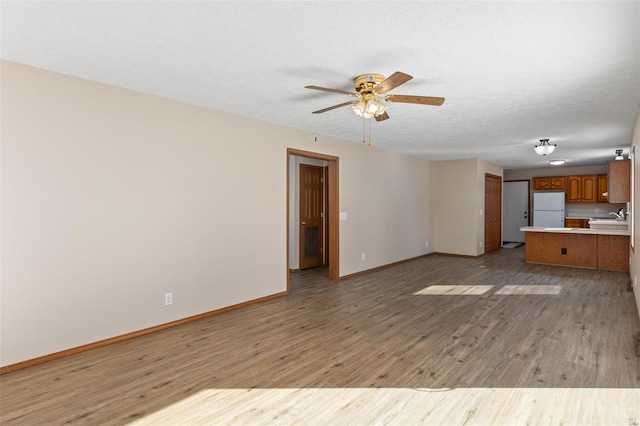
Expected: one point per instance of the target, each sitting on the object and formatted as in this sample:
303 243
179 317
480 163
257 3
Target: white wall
634 269
111 198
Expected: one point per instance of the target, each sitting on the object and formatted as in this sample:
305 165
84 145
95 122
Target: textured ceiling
511 72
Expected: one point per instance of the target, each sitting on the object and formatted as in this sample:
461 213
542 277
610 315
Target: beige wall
458 188
635 253
111 198
454 206
386 197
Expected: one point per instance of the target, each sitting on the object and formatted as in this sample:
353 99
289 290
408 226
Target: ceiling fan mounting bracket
367 82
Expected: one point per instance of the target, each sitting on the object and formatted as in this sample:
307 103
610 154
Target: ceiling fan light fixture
360 108
369 108
545 148
379 108
619 154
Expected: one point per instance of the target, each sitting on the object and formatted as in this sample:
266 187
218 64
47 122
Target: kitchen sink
597 223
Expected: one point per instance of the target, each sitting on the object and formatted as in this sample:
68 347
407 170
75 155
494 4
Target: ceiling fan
369 90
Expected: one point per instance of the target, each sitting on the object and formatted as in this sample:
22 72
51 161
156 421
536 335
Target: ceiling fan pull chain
369 132
364 131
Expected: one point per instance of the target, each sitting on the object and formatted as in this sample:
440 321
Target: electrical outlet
168 299
480 243
597 210
364 257
635 280
426 243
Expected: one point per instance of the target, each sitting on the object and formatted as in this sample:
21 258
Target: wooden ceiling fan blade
320 111
412 99
326 89
391 82
382 116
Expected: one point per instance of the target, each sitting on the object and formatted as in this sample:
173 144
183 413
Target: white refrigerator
548 209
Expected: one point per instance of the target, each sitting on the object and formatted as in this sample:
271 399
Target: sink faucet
620 215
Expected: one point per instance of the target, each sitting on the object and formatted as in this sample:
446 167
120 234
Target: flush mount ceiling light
544 148
619 154
557 162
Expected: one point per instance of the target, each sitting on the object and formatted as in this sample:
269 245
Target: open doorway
318 230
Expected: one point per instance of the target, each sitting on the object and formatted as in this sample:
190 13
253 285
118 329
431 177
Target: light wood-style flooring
519 344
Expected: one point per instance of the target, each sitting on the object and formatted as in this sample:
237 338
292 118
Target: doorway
330 186
516 210
492 212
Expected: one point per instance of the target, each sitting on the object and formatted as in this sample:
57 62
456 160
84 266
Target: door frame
333 210
325 230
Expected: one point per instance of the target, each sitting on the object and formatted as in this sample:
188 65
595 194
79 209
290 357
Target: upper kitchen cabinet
603 189
582 189
549 182
619 177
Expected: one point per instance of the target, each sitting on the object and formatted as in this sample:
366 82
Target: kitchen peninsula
578 247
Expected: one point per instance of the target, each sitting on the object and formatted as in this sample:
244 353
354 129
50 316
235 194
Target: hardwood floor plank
367 349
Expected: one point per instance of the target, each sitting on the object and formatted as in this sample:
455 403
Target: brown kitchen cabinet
619 176
596 251
576 223
550 182
582 189
603 188
613 252
561 249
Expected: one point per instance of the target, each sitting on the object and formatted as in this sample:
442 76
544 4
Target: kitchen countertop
575 216
575 230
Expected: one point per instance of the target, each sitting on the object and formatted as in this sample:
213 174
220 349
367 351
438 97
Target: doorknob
303 223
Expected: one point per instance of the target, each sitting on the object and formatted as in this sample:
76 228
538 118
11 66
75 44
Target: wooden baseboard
468 256
132 335
377 268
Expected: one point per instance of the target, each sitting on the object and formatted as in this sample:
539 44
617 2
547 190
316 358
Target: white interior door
515 203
